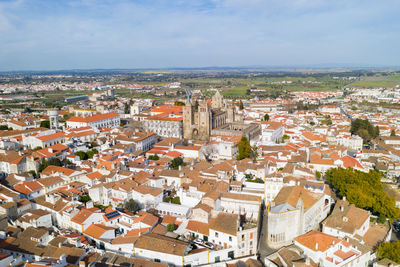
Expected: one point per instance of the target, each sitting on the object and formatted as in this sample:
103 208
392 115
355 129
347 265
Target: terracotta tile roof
97 230
96 117
317 241
346 218
28 187
243 197
158 243
292 194
168 219
226 223
56 169
198 227
51 136
82 216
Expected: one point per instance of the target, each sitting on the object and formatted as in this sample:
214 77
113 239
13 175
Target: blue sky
71 34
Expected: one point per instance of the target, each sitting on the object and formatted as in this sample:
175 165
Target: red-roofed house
44 139
331 251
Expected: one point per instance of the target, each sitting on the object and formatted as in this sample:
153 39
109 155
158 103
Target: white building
330 251
226 232
168 126
346 221
295 211
107 120
271 132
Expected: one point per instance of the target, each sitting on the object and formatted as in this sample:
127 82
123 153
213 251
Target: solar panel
112 215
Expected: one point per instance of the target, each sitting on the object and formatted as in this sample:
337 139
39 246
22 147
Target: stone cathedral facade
199 123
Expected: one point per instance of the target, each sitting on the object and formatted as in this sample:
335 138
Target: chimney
316 245
344 198
341 208
307 261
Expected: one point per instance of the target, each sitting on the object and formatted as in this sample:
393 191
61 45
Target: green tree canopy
176 162
390 250
266 117
393 133
364 190
91 153
176 200
132 205
244 148
84 198
82 155
364 129
171 227
154 157
54 162
179 103
45 124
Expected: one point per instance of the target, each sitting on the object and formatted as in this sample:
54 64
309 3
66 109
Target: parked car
198 240
396 226
209 245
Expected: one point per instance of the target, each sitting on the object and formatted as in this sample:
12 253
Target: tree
364 129
34 174
154 157
132 205
84 198
393 133
364 190
241 105
54 162
266 117
82 155
382 218
254 153
126 108
3 127
91 153
176 200
171 227
390 250
175 163
37 148
244 148
43 166
45 124
179 103
318 175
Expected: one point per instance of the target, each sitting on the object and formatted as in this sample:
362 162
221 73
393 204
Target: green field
378 81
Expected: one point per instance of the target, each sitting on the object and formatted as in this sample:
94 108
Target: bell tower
204 121
188 120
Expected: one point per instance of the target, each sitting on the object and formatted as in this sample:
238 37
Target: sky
88 34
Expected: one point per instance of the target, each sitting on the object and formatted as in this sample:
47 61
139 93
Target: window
216 234
217 259
157 260
230 238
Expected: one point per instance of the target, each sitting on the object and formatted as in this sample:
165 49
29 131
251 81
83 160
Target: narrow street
263 249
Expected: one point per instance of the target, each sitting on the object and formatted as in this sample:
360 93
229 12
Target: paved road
263 249
395 236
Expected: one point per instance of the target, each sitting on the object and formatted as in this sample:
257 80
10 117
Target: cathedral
219 118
